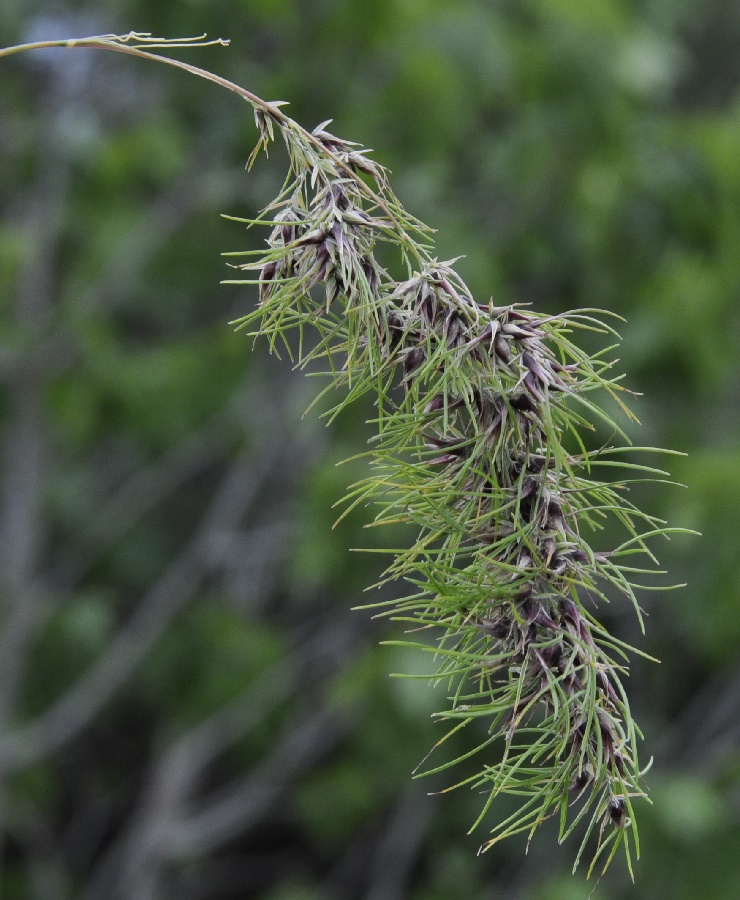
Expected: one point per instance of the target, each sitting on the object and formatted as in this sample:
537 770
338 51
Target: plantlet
497 440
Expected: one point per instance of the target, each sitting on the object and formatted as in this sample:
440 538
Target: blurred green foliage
579 153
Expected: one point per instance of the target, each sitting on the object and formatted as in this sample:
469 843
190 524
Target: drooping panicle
484 416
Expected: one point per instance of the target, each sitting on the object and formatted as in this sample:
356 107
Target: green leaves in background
580 155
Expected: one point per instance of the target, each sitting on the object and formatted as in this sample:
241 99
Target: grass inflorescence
484 413
490 424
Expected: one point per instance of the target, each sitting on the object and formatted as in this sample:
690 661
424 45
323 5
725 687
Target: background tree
187 705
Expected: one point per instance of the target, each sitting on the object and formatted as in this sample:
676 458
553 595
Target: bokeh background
189 708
